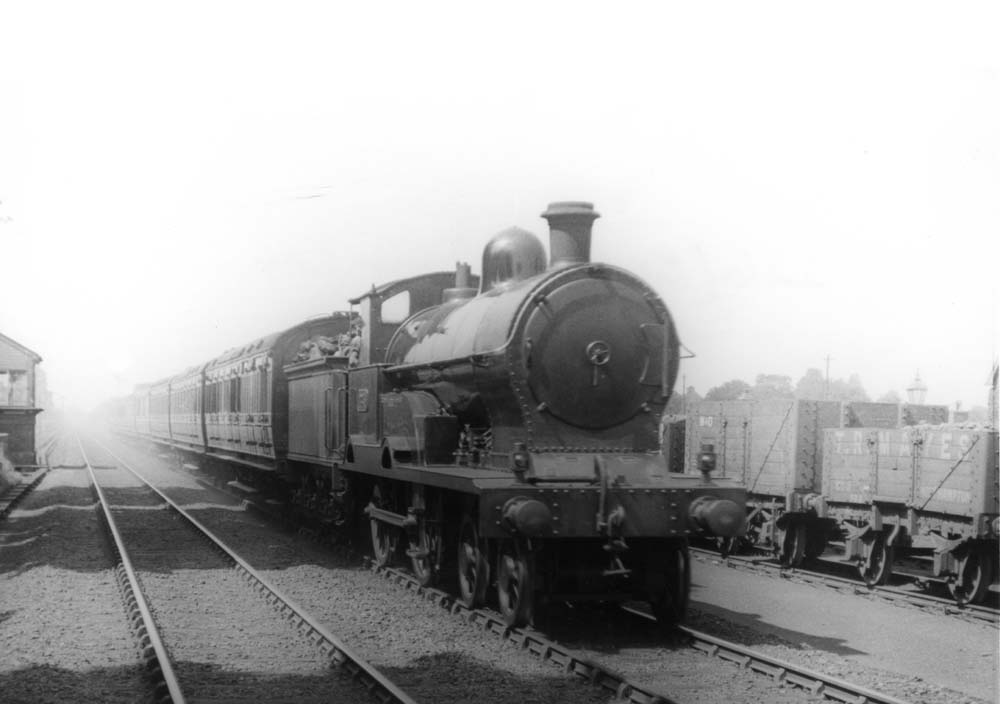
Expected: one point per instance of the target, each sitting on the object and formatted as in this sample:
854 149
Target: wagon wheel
792 544
876 567
815 543
753 534
668 582
728 546
473 567
384 536
515 582
425 552
976 573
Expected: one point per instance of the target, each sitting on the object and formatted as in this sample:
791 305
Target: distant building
917 391
17 400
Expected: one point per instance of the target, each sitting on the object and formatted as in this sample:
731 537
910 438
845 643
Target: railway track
14 493
901 597
206 614
784 679
747 660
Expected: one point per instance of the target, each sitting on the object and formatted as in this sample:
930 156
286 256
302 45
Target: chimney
570 223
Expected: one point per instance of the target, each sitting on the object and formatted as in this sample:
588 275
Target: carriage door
335 415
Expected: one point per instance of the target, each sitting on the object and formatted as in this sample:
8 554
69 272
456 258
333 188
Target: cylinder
528 517
718 517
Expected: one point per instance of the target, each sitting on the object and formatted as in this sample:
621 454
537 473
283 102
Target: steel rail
144 624
536 643
892 595
785 672
531 640
18 491
380 686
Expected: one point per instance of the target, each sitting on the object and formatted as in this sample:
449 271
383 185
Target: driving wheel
384 536
515 582
473 567
425 550
668 583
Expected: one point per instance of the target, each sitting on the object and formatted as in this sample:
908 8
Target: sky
798 181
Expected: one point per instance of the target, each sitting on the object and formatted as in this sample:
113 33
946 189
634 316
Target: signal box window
13 388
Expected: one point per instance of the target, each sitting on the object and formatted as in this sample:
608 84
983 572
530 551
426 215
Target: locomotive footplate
575 511
625 497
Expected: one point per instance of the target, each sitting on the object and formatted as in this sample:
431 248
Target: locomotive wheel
877 567
473 567
976 571
668 580
426 551
792 544
515 582
384 536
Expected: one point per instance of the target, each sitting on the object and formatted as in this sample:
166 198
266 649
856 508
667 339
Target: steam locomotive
502 428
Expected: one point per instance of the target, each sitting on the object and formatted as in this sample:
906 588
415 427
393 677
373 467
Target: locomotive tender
505 426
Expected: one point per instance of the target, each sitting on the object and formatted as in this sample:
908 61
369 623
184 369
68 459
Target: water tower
916 392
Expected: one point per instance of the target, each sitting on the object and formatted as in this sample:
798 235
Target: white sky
794 181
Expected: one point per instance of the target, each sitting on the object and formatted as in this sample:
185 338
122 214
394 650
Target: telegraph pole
684 394
826 385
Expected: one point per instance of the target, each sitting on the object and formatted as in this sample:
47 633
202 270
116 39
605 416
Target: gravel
63 632
432 656
437 657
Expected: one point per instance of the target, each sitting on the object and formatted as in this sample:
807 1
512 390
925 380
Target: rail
893 595
548 650
380 686
153 649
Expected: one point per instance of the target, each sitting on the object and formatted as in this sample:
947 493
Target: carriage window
396 309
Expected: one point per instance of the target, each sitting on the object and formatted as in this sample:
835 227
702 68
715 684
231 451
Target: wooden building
17 400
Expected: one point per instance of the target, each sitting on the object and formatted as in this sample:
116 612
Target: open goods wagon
927 492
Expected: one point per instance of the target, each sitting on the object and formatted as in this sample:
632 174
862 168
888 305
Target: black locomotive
503 425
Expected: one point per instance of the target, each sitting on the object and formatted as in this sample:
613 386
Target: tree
680 401
812 386
851 390
730 391
770 386
889 397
